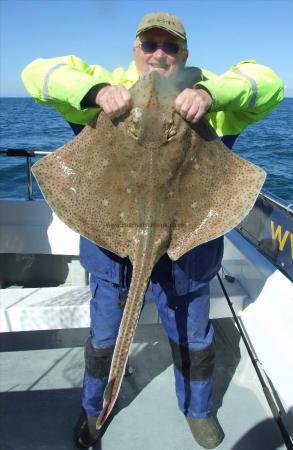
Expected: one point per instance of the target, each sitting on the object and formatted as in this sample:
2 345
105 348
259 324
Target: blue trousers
183 305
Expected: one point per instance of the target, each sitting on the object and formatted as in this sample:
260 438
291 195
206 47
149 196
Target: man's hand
114 100
192 104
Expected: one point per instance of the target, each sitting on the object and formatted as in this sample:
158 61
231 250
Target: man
246 93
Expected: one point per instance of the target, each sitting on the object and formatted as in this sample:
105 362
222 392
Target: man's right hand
114 100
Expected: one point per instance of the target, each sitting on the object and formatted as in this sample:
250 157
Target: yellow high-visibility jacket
244 94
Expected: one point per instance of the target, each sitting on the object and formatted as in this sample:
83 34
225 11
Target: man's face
161 60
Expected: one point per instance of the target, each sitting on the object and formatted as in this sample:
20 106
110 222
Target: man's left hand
192 104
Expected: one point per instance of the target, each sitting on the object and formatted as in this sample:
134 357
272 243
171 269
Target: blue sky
220 33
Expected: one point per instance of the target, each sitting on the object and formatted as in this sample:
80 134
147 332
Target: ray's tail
142 268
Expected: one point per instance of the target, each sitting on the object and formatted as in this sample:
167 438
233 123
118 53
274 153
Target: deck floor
41 390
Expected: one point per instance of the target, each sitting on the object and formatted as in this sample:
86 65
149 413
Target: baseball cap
162 20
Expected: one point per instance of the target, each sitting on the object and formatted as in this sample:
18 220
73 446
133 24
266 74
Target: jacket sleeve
62 83
251 90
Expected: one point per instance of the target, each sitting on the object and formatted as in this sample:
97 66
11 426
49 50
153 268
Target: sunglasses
170 48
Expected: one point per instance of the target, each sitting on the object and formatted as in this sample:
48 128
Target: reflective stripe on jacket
243 95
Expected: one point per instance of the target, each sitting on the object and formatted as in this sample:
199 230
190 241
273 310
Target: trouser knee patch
195 365
98 360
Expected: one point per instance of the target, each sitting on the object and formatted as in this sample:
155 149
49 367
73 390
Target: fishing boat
44 322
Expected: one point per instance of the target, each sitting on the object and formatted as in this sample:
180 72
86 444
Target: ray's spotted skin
144 185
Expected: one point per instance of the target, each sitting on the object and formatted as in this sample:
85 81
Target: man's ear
184 55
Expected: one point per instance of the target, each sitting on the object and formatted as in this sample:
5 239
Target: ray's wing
216 190
87 183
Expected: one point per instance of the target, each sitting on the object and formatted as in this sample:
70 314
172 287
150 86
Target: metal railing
28 154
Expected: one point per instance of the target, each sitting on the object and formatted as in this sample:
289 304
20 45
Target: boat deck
41 379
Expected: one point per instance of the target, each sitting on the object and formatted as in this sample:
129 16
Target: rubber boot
85 433
207 432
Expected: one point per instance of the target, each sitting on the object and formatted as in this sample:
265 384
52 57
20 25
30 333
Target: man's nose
159 53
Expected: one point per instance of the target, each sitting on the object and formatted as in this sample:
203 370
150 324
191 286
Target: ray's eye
135 123
134 129
172 130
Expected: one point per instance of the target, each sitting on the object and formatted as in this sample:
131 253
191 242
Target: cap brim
174 33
